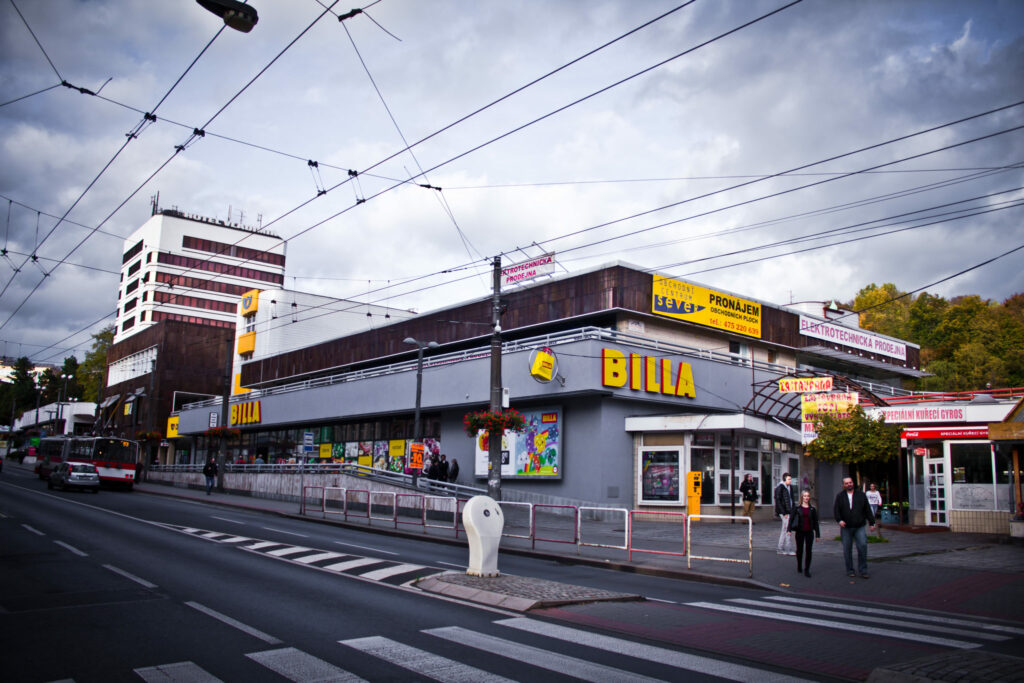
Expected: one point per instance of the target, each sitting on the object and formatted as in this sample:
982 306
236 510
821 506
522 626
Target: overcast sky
645 171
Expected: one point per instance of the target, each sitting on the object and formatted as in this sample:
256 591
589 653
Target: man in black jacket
852 512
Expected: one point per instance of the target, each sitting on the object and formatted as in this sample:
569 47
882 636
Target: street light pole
417 428
494 440
60 401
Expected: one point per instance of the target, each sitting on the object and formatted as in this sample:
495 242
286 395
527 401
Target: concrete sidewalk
973 574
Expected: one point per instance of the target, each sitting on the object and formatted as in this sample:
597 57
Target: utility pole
225 413
494 440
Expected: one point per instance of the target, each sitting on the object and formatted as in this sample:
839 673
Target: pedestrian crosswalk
391 572
920 627
509 653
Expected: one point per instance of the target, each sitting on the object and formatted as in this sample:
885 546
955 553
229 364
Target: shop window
750 461
971 462
660 476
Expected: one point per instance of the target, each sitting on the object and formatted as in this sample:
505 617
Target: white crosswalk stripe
525 661
296 665
902 614
421 662
376 569
908 628
872 619
681 660
552 661
179 672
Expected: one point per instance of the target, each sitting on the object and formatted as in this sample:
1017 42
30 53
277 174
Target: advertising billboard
695 304
534 453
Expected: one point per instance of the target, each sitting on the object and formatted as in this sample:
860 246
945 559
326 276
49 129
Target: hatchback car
75 475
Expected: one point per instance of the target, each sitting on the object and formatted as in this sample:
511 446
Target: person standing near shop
442 468
874 500
453 473
804 522
210 472
748 491
852 512
783 508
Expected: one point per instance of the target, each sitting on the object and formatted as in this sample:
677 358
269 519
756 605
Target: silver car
74 475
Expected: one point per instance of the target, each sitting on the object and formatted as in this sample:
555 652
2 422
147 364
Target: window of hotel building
250 323
127 324
134 268
129 305
132 286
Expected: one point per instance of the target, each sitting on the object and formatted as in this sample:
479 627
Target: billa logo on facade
249 303
646 373
245 413
542 368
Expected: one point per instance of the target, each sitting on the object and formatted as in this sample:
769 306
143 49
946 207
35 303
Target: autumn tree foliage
967 343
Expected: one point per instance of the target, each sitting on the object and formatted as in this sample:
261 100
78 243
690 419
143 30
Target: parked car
75 475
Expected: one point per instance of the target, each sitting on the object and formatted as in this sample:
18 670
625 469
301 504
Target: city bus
115 459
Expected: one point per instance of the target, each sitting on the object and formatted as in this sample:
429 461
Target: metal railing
750 541
512 346
657 513
575 524
579 528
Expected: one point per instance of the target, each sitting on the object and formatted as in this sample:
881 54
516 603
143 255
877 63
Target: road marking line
910 615
235 539
378 574
563 664
308 559
261 544
72 548
806 621
296 665
620 646
871 618
449 564
421 662
293 550
352 564
37 532
254 632
366 547
225 519
282 531
183 672
129 575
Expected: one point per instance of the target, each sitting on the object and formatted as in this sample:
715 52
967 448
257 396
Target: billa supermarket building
651 377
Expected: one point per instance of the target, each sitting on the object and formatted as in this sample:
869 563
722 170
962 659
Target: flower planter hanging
511 420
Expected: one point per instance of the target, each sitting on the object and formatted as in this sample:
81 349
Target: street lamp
64 393
417 427
236 15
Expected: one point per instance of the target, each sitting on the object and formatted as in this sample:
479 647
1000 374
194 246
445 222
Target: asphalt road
124 586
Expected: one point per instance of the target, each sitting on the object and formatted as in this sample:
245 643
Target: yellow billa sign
804 385
646 373
246 413
836 404
543 367
249 303
685 301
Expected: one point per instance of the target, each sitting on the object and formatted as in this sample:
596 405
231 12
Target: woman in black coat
804 521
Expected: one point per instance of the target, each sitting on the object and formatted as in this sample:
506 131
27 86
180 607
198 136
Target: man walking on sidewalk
783 508
852 511
748 491
210 472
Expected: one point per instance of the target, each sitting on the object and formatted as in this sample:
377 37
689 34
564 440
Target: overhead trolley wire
197 133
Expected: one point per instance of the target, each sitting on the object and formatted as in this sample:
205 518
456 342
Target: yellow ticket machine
693 484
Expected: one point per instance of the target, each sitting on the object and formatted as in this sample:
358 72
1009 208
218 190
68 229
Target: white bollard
484 522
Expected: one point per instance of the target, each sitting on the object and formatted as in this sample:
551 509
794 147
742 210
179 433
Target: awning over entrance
708 421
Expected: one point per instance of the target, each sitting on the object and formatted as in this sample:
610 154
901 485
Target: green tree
886 309
92 371
854 439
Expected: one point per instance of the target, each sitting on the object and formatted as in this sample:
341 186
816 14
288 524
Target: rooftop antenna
155 201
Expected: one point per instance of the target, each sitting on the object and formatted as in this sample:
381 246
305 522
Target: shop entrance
935 494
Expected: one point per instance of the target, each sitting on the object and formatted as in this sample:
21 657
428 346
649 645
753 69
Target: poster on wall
380 455
365 453
534 453
352 451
